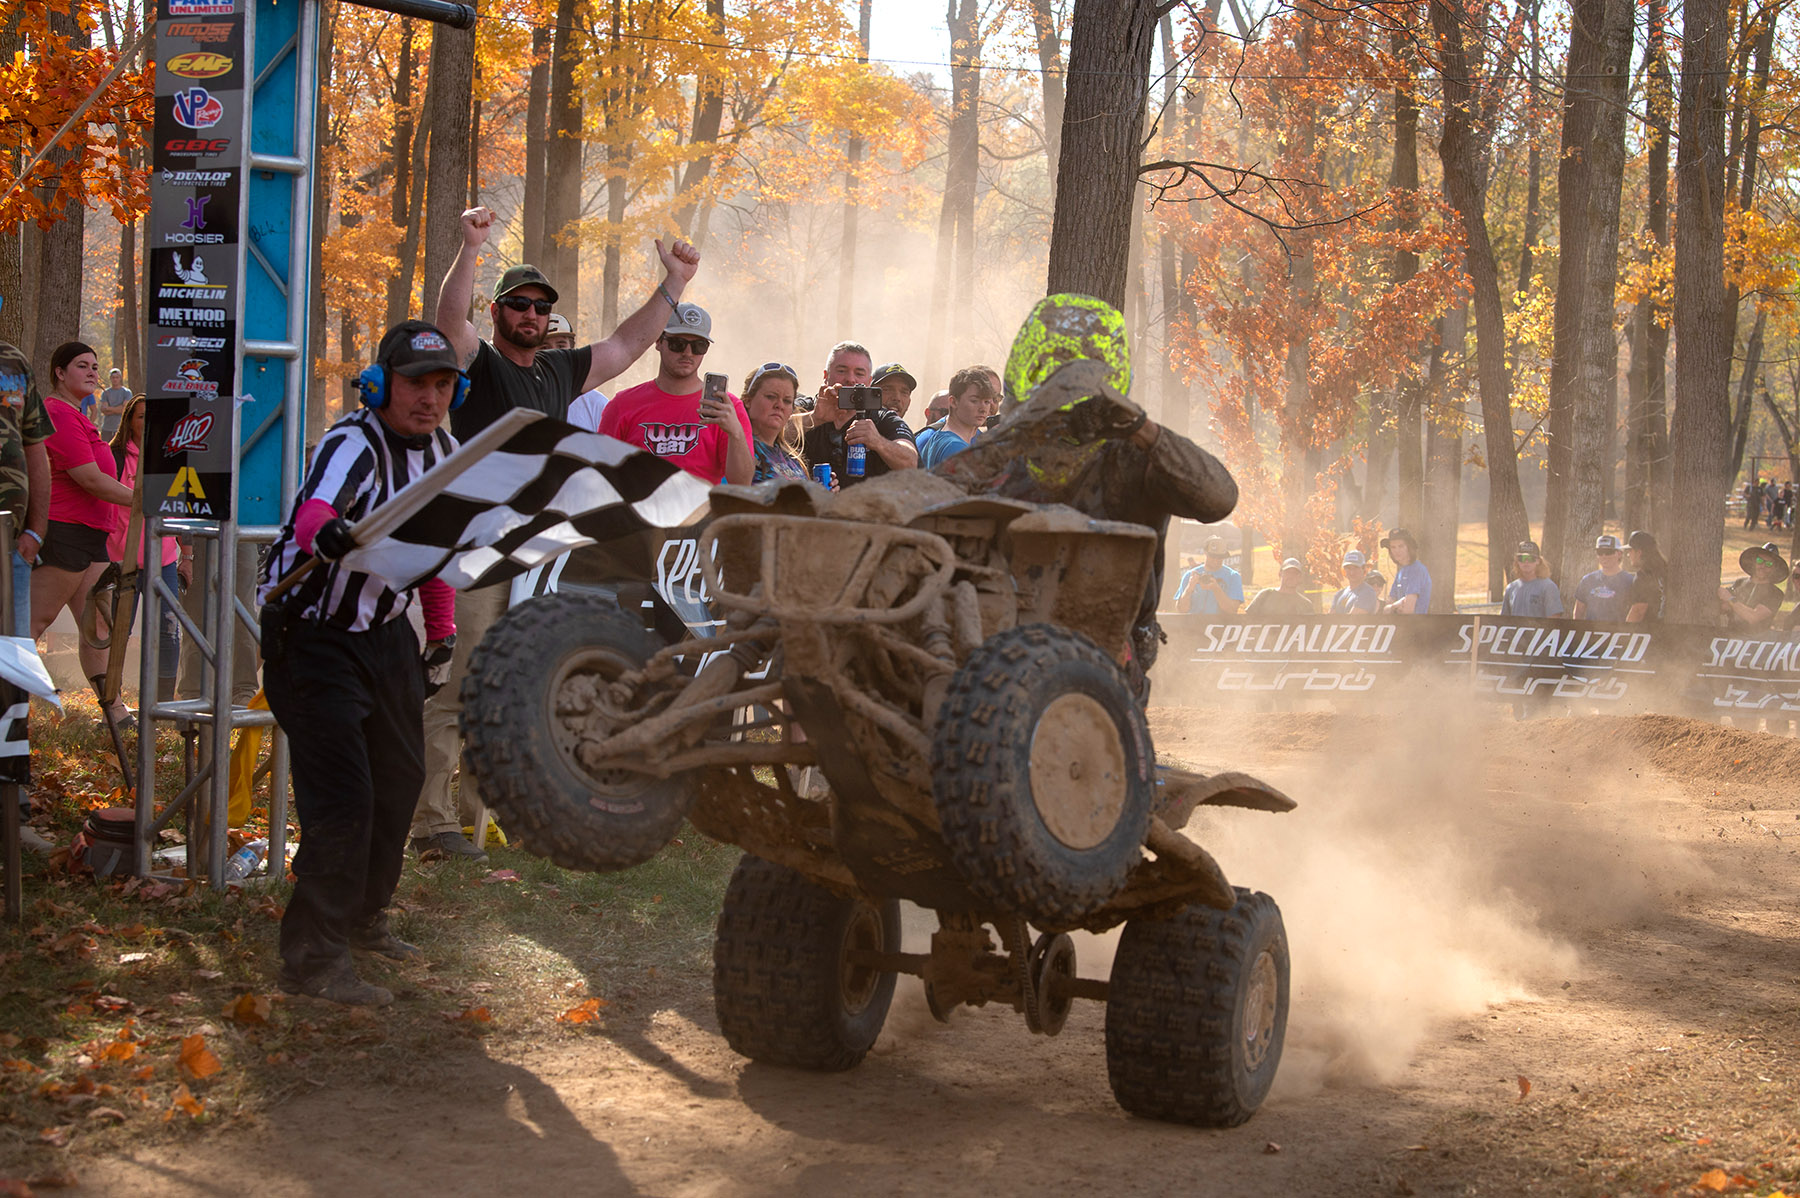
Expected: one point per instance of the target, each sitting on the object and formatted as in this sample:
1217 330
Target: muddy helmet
1067 328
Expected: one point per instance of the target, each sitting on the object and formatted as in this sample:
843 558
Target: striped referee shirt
358 465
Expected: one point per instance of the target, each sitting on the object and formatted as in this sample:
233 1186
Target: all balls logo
197 108
189 434
190 379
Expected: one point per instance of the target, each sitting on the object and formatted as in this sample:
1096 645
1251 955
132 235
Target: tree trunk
1103 121
59 263
1647 437
1442 490
1742 163
405 157
1049 49
613 112
1700 432
1584 359
537 104
853 156
1463 150
1176 409
1298 415
960 168
1408 413
447 112
709 114
562 168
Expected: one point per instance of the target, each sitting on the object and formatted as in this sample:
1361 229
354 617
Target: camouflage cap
1062 329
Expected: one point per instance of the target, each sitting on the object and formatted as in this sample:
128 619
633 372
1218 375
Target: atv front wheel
532 685
1042 774
1196 1012
784 986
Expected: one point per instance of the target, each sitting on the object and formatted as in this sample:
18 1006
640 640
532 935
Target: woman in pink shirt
84 494
127 443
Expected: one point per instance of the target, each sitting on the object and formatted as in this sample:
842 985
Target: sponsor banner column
193 255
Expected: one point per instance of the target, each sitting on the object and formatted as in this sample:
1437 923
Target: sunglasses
1607 552
519 303
1527 557
687 345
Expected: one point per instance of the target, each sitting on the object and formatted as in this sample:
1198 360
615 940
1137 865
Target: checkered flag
523 491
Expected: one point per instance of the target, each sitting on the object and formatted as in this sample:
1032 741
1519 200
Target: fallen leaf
131 932
64 1180
119 1050
8 1040
501 875
56 1137
1715 1180
249 1008
185 1101
197 1060
132 958
1271 1148
107 1112
586 1012
1524 1087
15 1065
208 975
471 1015
144 1074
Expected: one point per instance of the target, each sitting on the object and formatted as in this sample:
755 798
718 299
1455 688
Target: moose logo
189 434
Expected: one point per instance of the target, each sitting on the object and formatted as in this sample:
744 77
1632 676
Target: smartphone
714 388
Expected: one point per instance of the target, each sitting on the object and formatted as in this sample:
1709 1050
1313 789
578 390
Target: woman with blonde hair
1532 592
769 394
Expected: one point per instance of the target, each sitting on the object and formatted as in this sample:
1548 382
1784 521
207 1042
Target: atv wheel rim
857 983
568 704
1078 771
1259 1011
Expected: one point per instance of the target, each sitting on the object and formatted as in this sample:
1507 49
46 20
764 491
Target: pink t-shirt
115 541
74 443
669 426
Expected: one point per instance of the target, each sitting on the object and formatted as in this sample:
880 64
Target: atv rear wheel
784 988
1042 774
1196 1012
533 679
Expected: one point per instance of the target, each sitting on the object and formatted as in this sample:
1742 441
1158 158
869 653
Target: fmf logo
207 33
197 108
199 147
189 435
199 64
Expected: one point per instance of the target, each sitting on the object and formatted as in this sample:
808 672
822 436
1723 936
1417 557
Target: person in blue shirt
973 398
1410 594
1533 592
1604 594
1214 588
1357 598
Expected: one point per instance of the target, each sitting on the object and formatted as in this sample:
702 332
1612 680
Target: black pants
352 705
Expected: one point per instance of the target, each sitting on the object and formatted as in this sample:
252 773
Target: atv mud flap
892 854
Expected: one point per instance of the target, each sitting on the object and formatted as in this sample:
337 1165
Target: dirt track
1609 910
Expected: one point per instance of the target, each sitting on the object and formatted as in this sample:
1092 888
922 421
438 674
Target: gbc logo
204 147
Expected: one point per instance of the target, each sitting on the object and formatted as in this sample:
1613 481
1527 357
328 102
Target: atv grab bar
818 570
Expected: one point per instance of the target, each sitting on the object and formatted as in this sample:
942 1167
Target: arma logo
189 433
197 108
207 33
199 64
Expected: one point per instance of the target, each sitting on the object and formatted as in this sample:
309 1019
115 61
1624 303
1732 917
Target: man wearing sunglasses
1751 602
1604 594
669 415
1533 592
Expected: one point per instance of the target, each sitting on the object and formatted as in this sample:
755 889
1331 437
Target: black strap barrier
1672 668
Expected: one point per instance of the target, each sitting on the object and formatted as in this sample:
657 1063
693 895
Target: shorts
73 547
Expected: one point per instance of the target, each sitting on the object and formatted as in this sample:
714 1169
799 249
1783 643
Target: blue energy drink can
822 472
856 459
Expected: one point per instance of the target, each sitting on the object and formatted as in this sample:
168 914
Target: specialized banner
191 270
1625 667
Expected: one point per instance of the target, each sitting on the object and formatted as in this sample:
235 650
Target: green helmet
1067 328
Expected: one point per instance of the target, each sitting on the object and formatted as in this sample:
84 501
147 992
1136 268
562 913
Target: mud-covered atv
953 668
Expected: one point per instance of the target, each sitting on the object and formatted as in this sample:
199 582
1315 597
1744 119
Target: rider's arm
1184 479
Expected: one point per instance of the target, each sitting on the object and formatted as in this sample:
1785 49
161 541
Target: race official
344 674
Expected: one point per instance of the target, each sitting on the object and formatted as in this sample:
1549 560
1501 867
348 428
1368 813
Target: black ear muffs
372 387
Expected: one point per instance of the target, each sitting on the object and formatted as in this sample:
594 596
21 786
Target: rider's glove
1102 419
436 663
334 539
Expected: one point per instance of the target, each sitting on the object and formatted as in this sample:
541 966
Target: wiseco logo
199 64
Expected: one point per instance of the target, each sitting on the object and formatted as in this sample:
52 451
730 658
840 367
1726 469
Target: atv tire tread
509 748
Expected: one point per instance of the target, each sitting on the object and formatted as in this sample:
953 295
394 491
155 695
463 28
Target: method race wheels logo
189 433
199 64
197 108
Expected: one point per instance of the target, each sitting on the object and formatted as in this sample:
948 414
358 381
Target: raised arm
458 289
638 331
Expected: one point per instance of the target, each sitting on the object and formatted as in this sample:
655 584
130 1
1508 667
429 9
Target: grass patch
135 1010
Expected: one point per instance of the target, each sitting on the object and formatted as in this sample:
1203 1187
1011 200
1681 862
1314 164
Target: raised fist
476 223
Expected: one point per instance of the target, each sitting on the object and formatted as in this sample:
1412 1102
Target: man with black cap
1411 593
1752 601
1604 594
344 674
513 371
897 386
1533 592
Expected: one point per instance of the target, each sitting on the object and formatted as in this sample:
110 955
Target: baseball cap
1215 545
1529 549
559 324
1292 563
689 320
413 347
1606 543
1641 539
15 374
523 275
893 370
1355 558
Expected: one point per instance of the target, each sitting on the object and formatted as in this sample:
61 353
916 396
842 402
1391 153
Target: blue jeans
21 595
